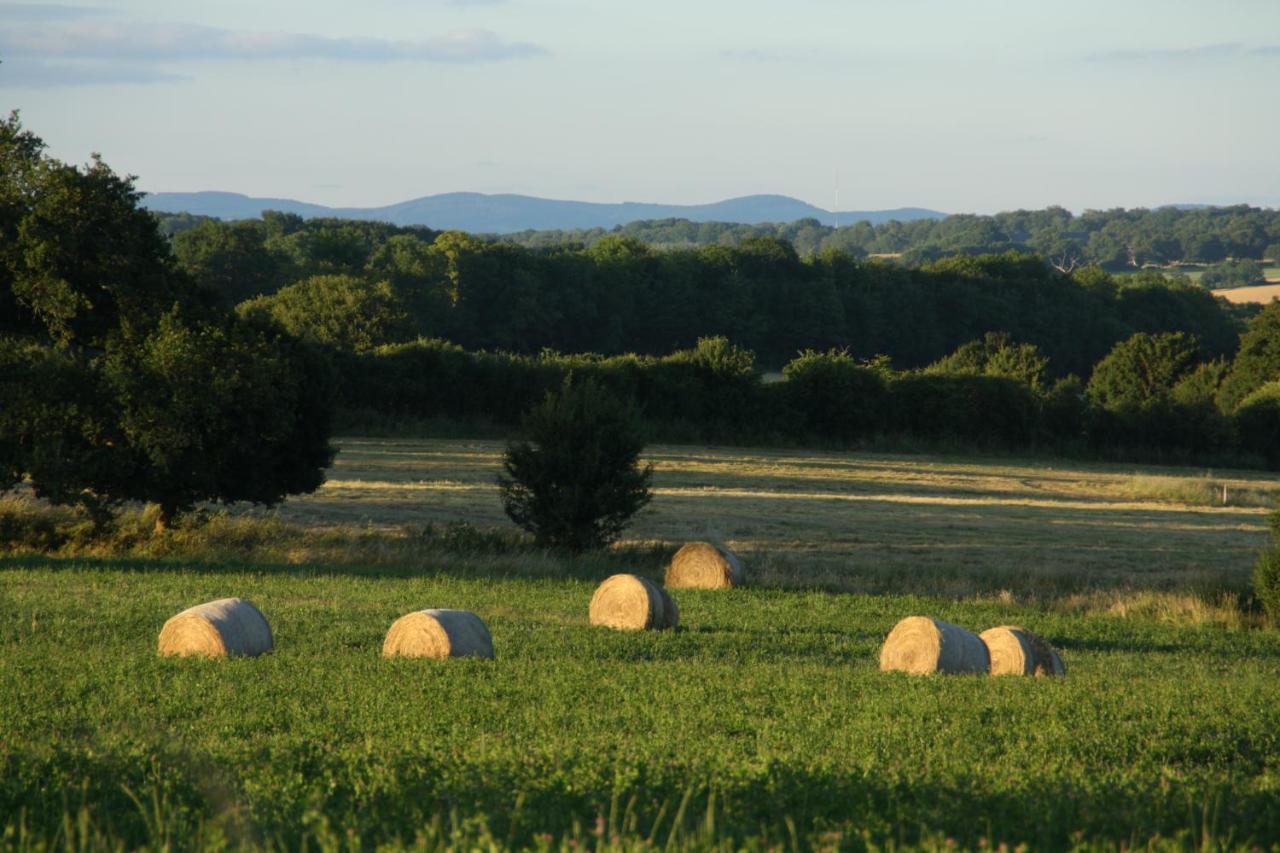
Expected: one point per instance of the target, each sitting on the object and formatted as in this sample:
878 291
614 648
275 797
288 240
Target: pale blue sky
959 105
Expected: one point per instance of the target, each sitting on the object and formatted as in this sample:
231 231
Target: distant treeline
357 285
1153 397
1113 239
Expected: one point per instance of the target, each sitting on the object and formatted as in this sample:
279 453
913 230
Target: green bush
836 397
989 411
1266 581
574 480
1257 423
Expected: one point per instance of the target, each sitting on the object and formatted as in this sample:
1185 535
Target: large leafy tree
120 379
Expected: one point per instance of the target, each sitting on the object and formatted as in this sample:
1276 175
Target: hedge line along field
763 723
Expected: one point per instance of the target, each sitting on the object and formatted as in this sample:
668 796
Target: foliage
1237 273
574 480
765 292
219 412
1117 238
127 381
230 260
79 259
1258 360
1141 372
338 311
997 355
1257 422
1266 576
835 396
978 411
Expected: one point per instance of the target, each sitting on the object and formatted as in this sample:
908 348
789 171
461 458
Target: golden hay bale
702 565
217 629
438 634
922 645
631 603
1017 651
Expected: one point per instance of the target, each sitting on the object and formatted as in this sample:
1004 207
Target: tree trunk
164 517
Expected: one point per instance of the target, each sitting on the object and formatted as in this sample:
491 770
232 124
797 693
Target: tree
997 355
1239 273
1258 360
837 397
340 311
231 260
1142 370
218 412
574 480
130 384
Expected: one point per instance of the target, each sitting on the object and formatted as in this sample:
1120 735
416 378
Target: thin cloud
35 74
12 12
143 42
1223 50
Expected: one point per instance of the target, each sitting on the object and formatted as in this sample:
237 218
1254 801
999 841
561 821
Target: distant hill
505 214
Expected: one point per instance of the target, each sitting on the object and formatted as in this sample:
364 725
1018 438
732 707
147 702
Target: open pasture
762 723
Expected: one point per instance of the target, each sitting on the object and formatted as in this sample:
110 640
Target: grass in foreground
768 706
763 723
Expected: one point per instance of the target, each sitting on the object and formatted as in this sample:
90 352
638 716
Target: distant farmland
1262 293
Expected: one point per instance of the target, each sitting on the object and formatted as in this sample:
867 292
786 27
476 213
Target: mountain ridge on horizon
506 213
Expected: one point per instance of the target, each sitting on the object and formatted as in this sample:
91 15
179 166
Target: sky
956 105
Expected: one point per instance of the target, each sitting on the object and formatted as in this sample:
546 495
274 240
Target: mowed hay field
1263 293
763 722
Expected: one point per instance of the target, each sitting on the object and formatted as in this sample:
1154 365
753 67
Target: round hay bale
1017 651
438 634
922 645
631 603
228 627
702 565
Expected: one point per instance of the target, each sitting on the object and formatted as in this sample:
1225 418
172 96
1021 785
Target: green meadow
762 723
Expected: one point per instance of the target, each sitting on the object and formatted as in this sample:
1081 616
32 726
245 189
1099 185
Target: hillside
503 214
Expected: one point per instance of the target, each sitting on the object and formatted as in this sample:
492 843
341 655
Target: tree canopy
124 379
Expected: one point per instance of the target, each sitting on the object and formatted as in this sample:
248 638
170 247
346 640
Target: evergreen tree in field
575 479
122 380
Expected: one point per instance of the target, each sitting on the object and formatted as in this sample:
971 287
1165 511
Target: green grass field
762 723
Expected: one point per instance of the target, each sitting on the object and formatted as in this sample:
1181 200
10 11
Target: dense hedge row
713 393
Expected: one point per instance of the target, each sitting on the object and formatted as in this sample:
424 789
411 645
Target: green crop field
762 723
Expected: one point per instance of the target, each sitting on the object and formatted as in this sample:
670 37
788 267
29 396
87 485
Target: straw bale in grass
922 645
702 565
1017 651
438 634
632 603
227 627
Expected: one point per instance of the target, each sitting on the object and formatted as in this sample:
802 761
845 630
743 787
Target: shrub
1257 423
1266 581
982 410
836 397
574 480
1258 360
